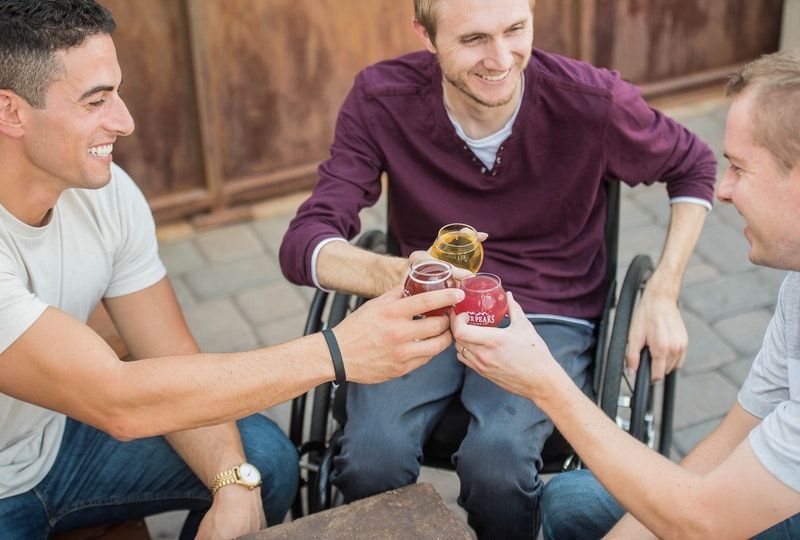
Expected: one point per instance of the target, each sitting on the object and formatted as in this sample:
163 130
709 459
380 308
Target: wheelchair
631 404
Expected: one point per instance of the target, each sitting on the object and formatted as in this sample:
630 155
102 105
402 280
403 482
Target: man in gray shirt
743 479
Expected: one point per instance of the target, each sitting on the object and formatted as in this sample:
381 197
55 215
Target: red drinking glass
484 299
429 276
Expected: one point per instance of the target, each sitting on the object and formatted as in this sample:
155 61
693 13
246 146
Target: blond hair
425 13
775 79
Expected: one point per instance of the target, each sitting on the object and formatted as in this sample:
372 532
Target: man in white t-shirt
743 480
80 430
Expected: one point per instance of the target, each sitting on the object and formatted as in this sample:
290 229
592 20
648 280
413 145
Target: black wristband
336 355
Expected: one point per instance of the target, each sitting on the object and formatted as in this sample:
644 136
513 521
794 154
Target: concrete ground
234 296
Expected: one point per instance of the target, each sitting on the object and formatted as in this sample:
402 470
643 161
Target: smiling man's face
767 197
69 141
483 47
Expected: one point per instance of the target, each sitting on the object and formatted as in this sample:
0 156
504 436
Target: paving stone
230 278
737 371
746 331
180 257
709 129
706 350
654 200
725 247
686 439
283 330
229 244
699 272
272 302
702 397
728 215
182 292
632 216
272 230
773 279
646 240
219 327
728 296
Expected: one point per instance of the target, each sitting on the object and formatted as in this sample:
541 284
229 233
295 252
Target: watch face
249 474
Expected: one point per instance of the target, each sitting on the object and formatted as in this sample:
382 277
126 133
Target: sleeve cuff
314 256
691 200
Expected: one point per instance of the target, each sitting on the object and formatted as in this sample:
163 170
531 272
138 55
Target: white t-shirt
98 243
772 389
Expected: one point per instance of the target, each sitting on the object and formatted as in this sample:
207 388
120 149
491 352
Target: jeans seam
95 503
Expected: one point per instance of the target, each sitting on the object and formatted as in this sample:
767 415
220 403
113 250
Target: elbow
121 425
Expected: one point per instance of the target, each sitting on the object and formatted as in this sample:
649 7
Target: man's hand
657 323
236 511
382 340
515 358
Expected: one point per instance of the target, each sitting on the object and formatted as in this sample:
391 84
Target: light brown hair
775 80
425 13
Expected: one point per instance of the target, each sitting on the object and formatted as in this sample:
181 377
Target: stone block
283 330
728 296
180 257
686 439
272 230
632 216
409 513
702 397
229 244
737 371
230 278
706 350
272 302
745 331
182 292
725 247
219 327
699 272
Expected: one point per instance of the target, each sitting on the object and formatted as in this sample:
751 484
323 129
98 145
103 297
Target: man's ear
423 35
10 119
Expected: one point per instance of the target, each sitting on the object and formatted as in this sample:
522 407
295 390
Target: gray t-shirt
98 243
772 389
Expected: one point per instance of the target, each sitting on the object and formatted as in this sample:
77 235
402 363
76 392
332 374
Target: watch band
231 476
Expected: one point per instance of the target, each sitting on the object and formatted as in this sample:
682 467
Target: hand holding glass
484 301
429 276
458 244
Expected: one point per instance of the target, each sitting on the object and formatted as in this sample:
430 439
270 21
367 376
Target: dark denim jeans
576 506
97 479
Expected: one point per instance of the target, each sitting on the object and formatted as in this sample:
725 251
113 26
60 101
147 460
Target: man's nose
725 187
500 57
121 122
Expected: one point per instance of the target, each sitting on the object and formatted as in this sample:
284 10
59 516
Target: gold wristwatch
245 475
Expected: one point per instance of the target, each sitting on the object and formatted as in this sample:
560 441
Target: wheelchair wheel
635 406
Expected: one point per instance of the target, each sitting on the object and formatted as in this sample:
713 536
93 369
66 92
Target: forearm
209 450
164 395
685 224
706 456
625 467
344 267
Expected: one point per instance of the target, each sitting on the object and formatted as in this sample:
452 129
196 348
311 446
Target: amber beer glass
429 276
458 244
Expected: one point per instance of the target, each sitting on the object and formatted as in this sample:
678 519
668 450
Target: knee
572 506
374 462
275 456
497 465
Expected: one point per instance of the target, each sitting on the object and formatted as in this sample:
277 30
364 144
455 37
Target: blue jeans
97 479
576 506
497 463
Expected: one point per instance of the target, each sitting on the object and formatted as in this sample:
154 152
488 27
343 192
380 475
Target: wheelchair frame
328 405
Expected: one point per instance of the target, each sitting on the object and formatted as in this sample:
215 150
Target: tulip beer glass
458 244
429 276
484 300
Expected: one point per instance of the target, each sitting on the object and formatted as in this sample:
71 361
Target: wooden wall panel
163 155
650 41
282 68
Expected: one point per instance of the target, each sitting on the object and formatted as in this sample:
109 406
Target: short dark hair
32 31
774 80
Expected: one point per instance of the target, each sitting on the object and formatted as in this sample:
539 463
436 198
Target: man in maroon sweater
481 129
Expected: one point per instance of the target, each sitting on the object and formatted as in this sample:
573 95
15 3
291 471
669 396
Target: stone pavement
234 296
